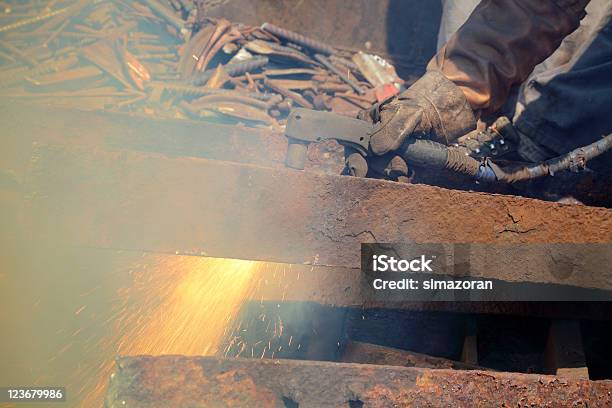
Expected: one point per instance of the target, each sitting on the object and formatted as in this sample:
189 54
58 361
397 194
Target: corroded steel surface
177 381
35 123
38 123
137 201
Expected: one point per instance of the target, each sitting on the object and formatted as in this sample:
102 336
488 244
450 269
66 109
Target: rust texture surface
24 124
35 123
194 206
177 381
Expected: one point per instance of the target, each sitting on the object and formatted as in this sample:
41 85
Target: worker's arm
498 46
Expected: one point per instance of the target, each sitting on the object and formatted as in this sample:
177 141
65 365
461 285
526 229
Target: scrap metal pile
161 58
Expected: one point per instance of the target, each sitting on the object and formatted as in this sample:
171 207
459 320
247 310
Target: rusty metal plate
36 123
27 124
177 381
138 201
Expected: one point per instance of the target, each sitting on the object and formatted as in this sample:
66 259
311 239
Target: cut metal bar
35 19
353 84
298 39
177 381
299 99
167 14
232 69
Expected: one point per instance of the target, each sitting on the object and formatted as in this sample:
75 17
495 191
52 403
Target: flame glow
177 305
194 304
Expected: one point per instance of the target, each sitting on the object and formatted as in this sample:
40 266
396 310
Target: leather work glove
432 108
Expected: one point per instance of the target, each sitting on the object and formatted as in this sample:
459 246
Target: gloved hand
432 108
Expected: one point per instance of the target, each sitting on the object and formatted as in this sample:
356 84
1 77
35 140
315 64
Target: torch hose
427 153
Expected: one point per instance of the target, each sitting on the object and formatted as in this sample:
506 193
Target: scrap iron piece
298 39
340 74
305 126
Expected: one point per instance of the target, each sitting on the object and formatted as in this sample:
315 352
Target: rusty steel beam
137 201
177 381
31 124
24 124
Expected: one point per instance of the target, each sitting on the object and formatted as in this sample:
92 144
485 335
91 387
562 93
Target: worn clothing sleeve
500 44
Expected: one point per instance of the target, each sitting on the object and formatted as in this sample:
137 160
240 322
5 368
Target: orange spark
180 305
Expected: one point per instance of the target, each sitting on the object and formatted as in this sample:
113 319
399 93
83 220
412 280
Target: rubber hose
575 159
424 153
427 153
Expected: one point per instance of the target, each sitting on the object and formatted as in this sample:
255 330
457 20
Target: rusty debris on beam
178 381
